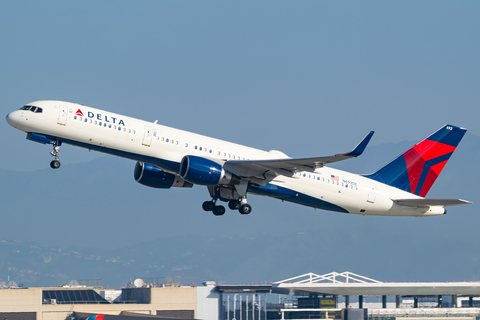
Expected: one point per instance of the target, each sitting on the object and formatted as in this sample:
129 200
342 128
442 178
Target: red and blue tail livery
417 169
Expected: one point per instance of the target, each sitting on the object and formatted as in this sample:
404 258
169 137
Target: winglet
358 150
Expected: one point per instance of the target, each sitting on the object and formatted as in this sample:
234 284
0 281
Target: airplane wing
269 169
430 202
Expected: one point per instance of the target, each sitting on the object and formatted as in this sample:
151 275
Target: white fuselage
164 147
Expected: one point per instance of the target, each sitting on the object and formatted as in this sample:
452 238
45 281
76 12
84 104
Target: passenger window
200 148
119 128
86 120
129 131
95 121
133 131
105 124
100 124
109 125
124 129
74 117
186 145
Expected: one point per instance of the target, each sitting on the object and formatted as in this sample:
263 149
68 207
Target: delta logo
101 117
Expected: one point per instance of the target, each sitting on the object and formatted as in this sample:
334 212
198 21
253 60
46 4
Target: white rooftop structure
351 284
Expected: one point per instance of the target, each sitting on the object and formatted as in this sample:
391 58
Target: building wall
175 298
208 303
162 299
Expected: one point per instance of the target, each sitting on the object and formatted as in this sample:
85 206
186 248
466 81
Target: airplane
168 157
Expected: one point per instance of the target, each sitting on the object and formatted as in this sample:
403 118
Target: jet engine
206 172
151 176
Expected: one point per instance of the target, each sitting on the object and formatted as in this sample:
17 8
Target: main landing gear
241 206
55 164
211 206
236 196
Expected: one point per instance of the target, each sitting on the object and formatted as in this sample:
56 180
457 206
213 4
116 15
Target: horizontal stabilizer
430 202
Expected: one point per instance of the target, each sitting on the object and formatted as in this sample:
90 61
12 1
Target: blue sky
308 78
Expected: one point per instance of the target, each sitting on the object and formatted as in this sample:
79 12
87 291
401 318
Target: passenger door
62 115
372 193
147 136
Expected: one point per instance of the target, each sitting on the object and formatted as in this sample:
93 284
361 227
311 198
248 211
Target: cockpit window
32 108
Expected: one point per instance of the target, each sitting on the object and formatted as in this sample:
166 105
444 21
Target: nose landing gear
55 164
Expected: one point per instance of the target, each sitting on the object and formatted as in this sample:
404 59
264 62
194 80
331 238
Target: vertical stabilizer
417 169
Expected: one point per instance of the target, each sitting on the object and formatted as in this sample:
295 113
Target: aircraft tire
208 205
218 210
245 209
55 164
234 204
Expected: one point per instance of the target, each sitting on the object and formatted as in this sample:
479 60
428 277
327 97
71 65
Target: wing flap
430 202
287 167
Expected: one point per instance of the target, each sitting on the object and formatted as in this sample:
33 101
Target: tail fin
417 169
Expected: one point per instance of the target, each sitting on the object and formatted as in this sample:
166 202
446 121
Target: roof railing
310 278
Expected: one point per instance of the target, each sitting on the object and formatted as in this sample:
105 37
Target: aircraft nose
12 118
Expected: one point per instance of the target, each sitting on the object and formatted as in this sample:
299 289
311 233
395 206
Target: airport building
345 296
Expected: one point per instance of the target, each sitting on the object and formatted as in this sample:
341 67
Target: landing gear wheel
218 210
208 205
245 209
55 164
234 204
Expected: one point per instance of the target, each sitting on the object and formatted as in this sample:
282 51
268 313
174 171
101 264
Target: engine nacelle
151 176
206 172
